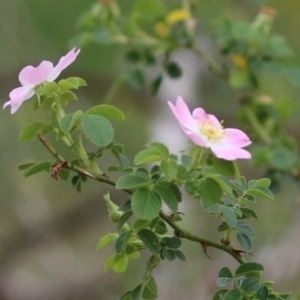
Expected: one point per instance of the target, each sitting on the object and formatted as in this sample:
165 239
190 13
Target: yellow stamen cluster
211 131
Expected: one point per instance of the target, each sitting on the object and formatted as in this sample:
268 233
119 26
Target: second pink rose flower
205 130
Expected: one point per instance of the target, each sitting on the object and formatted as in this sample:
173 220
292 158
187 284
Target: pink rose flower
30 77
206 131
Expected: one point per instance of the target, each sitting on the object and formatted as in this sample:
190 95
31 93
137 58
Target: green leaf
240 183
169 168
151 240
67 96
239 79
210 195
243 228
159 148
294 75
109 263
122 241
160 227
109 237
145 204
156 84
36 168
218 295
229 216
150 289
68 122
124 218
98 130
133 56
141 224
171 242
25 166
224 167
233 295
250 285
186 160
120 263
249 267
169 193
192 186
106 111
150 7
244 241
71 83
225 277
46 129
262 293
127 296
248 213
30 132
49 88
260 191
173 69
282 158
180 255
136 79
136 293
47 102
168 254
266 182
146 156
133 181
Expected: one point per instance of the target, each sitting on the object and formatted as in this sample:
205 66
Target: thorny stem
203 241
72 167
181 232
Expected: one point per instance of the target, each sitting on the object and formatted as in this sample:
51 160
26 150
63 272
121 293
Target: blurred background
49 232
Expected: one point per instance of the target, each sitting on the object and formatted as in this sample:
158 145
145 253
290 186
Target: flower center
211 131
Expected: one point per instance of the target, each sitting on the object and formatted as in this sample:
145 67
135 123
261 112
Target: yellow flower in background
240 61
176 16
162 30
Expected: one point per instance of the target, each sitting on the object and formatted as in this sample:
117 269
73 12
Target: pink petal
200 115
18 96
230 153
183 115
194 137
235 138
34 76
64 62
